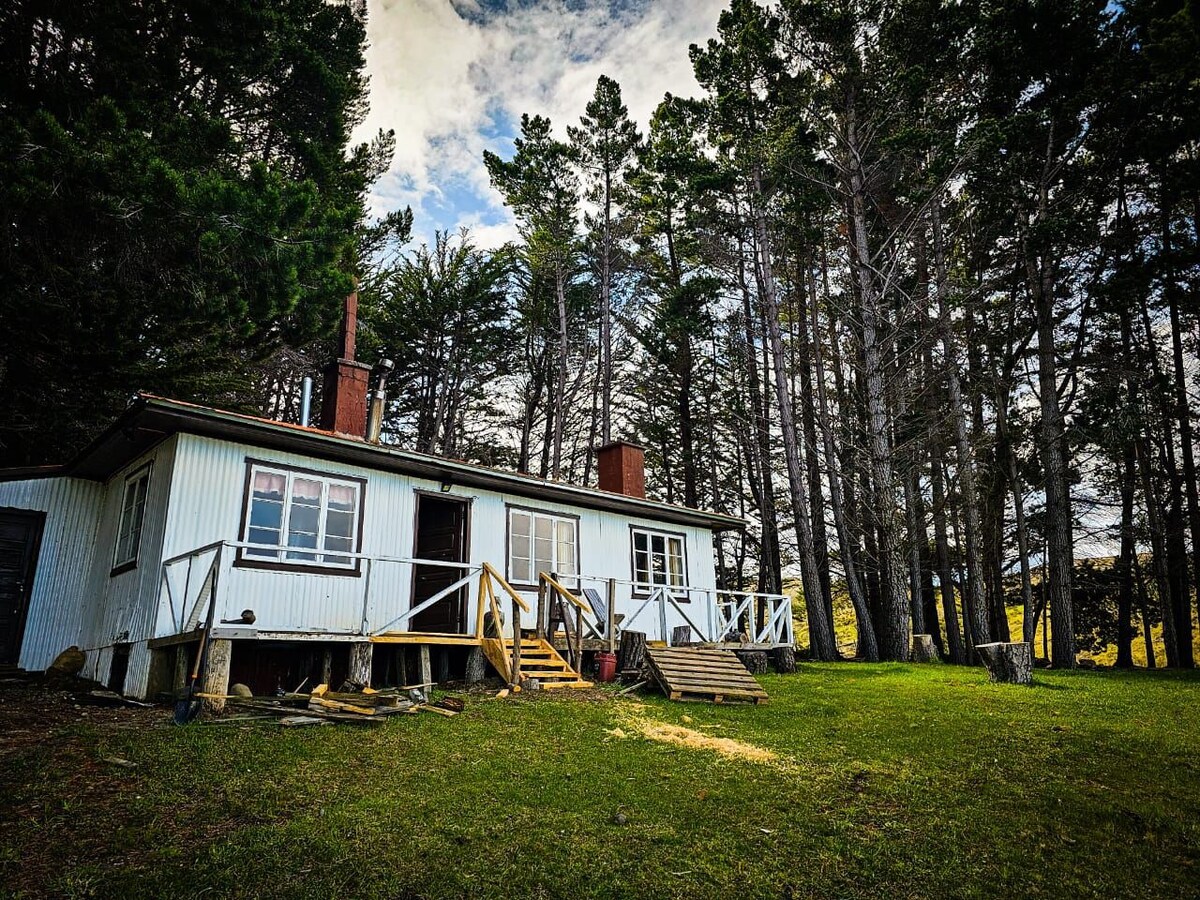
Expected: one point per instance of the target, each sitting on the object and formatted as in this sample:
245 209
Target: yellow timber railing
489 624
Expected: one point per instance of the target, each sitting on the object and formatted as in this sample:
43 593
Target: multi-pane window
314 514
133 511
538 543
657 560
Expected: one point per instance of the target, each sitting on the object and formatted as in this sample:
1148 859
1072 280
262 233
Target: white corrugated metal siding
72 508
206 506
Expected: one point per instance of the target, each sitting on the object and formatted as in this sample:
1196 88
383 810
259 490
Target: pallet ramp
692 673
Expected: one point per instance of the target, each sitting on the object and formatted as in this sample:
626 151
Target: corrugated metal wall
206 506
72 508
75 600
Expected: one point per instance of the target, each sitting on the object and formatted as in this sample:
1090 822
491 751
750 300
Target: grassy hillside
855 780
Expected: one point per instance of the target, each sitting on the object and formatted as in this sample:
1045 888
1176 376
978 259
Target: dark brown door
20 535
441 535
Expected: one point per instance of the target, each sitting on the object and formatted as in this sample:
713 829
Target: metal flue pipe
378 401
306 400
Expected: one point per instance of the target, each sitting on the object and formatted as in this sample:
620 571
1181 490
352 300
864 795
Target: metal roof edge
153 414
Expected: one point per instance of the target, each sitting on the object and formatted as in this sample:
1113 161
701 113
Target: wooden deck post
180 678
541 610
327 666
426 673
216 674
578 654
362 654
610 624
516 654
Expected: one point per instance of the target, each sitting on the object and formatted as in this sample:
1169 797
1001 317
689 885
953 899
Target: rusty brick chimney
344 399
622 468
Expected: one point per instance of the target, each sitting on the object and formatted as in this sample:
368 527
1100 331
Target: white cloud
446 84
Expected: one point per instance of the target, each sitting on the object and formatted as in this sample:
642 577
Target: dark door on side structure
441 535
20 536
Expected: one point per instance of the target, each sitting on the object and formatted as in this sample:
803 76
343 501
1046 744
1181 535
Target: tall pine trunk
976 602
822 643
893 618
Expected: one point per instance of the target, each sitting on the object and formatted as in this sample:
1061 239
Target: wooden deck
689 673
425 637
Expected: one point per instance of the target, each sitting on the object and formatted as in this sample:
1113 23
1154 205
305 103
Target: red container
606 664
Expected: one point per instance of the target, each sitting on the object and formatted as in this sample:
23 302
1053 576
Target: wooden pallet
690 673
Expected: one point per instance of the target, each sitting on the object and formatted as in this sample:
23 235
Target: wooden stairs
539 659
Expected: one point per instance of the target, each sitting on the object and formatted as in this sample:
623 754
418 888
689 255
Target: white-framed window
658 559
133 513
542 542
316 514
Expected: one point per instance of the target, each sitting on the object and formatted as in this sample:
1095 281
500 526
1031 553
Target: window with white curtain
658 560
314 516
542 542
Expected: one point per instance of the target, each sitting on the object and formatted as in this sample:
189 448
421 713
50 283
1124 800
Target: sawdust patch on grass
695 740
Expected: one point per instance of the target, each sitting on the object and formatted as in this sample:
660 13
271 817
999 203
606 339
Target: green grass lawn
889 780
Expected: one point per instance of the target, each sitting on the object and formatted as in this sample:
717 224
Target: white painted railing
189 581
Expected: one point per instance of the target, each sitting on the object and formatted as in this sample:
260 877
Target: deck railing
586 606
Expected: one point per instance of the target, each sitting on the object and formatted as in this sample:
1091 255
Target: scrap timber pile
363 706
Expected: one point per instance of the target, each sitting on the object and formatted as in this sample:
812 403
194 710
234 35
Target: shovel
188 707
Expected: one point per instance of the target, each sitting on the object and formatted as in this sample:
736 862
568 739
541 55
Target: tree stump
923 649
680 635
1009 663
632 653
755 661
476 666
784 659
216 675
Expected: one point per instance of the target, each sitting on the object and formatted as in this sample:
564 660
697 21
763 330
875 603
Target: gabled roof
150 419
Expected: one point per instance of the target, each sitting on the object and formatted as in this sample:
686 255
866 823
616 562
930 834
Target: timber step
540 660
691 673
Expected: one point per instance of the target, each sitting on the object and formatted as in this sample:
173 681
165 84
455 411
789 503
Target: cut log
216 675
361 656
755 661
784 659
923 649
476 666
1009 663
633 652
680 635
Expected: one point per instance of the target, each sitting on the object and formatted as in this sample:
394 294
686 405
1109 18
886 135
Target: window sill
123 568
267 565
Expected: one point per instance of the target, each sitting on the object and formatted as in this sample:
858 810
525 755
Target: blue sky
452 78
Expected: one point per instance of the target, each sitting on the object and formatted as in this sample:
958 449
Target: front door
20 535
441 535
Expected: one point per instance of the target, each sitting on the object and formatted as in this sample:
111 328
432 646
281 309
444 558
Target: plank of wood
699 684
671 665
716 671
339 706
